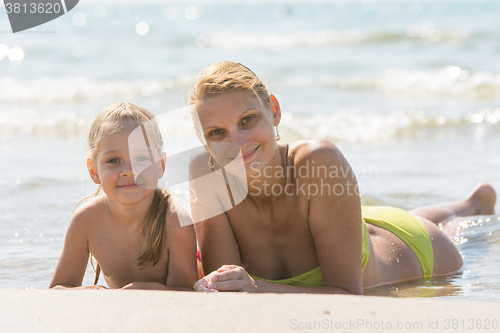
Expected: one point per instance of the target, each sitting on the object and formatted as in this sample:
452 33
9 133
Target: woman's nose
240 138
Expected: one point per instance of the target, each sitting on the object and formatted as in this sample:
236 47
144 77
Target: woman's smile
246 156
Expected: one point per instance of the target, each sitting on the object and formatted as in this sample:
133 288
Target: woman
298 225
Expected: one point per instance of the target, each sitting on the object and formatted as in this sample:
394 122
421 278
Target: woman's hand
227 278
202 284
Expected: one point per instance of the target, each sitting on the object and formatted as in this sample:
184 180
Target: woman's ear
275 107
93 172
163 163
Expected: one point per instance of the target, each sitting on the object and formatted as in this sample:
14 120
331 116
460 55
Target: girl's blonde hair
109 121
227 76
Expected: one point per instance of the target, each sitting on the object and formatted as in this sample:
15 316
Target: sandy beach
159 311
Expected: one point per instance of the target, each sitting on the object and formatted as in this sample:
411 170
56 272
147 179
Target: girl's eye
112 161
142 159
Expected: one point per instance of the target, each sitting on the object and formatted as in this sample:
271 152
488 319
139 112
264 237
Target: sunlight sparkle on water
16 53
4 51
142 28
79 19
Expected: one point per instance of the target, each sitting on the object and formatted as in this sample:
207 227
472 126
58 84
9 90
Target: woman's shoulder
198 163
319 151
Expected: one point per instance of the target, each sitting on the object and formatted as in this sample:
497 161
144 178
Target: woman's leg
480 202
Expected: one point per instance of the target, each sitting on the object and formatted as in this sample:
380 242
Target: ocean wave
376 127
337 127
78 89
19 121
327 38
448 82
15 121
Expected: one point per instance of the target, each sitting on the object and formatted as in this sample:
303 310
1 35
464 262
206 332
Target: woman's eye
215 132
247 119
112 161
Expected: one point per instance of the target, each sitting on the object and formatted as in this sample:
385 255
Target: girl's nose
127 170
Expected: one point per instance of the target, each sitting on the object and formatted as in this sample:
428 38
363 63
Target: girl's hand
139 285
94 287
80 287
227 278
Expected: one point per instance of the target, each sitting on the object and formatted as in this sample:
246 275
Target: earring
210 162
278 136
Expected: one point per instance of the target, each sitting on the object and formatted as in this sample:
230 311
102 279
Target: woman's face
239 129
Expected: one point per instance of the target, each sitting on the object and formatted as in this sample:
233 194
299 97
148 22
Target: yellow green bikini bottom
399 222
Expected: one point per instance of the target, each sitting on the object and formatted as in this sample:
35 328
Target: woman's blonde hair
111 120
227 76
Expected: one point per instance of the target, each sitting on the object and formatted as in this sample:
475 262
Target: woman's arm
71 266
215 236
335 220
235 278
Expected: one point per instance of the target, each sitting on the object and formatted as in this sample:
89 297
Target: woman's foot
480 202
483 197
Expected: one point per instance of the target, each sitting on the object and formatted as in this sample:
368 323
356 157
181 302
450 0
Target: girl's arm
181 243
73 261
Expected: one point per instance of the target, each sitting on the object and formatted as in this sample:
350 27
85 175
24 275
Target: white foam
377 127
18 121
78 89
338 127
448 82
67 124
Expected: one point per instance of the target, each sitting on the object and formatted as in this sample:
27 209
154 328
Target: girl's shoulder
91 208
176 215
86 216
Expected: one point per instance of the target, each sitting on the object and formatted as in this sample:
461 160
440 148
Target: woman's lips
247 156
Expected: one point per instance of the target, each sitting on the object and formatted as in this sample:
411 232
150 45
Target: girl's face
127 173
238 127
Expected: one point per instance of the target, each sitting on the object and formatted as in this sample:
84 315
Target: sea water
409 92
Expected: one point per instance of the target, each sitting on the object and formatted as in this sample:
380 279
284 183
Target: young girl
133 229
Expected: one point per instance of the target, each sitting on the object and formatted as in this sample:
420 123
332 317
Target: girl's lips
129 186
